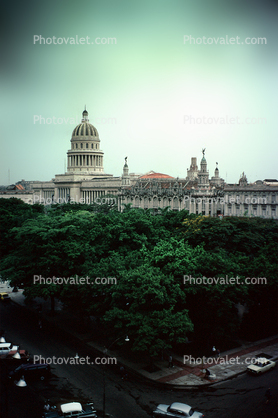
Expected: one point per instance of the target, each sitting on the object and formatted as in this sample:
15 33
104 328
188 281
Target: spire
203 162
216 171
203 174
125 176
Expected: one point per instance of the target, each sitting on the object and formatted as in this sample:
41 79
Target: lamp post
104 381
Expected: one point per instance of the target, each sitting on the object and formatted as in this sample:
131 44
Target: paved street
242 396
186 372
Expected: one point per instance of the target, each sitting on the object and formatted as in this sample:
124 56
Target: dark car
30 371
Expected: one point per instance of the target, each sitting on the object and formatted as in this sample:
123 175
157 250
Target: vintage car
72 409
177 409
261 365
4 297
16 358
6 348
31 371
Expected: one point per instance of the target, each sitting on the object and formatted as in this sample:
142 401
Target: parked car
177 409
30 371
73 409
4 297
261 365
6 348
15 358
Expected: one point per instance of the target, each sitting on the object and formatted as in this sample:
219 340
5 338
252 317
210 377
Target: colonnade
85 160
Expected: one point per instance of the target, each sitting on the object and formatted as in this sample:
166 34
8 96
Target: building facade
86 182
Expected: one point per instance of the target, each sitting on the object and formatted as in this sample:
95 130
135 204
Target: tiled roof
153 175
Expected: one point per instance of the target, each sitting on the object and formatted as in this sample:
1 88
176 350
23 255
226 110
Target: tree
47 247
145 304
13 213
149 254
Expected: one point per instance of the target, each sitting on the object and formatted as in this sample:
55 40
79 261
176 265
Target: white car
261 365
6 348
177 409
73 409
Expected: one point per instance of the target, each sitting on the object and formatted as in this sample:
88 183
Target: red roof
153 175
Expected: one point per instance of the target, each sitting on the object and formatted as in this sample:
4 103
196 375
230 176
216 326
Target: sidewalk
184 374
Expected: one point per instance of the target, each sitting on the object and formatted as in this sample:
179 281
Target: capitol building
85 181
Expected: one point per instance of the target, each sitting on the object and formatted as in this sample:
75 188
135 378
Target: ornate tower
203 174
216 180
192 172
125 176
85 156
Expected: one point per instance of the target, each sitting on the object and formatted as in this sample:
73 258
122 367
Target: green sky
151 96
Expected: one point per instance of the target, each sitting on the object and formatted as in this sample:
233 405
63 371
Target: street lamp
105 351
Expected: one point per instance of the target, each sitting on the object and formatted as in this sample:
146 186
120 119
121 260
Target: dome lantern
85 116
